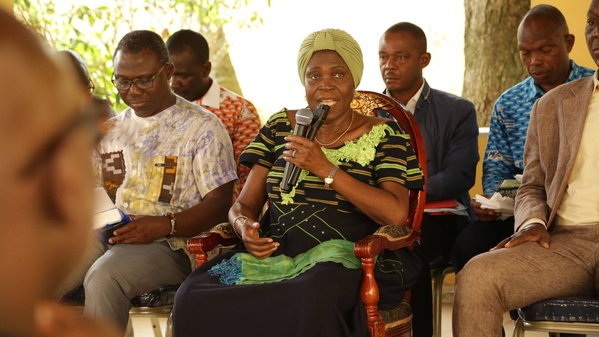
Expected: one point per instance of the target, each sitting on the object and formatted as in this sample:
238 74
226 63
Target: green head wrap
336 40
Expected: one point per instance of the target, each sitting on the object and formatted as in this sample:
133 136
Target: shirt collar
212 97
595 81
414 100
534 91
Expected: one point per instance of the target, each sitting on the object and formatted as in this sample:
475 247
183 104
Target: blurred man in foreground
46 181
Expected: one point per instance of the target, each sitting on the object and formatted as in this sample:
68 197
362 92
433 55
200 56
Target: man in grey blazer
555 250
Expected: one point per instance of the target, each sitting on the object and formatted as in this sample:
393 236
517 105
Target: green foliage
92 28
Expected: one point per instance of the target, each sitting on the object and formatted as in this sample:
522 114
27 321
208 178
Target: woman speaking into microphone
295 273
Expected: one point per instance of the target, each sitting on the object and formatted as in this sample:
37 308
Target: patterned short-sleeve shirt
164 163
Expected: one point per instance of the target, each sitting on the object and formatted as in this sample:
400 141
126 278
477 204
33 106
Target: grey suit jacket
552 142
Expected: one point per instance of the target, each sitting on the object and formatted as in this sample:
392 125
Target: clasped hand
142 230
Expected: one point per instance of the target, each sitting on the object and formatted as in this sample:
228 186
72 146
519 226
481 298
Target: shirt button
126 205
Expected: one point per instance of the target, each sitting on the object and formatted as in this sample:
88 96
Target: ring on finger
293 153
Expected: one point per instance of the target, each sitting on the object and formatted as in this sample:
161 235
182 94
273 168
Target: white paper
105 212
498 203
102 201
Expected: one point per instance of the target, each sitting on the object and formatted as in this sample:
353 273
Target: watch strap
329 179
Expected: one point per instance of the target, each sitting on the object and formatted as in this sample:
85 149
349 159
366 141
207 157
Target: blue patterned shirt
504 156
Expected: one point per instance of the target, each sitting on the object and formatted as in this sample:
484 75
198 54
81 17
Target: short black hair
138 40
412 29
187 40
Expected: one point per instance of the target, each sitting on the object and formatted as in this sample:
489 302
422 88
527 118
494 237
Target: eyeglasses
87 117
141 83
91 87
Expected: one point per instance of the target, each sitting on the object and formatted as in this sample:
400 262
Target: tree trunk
222 67
492 61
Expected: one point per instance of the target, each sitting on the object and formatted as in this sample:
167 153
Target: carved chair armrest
220 235
390 237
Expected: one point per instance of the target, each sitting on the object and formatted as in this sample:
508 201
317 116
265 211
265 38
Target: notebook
107 217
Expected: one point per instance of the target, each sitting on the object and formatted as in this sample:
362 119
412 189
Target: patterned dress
322 301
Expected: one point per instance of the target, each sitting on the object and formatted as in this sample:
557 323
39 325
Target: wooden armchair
395 322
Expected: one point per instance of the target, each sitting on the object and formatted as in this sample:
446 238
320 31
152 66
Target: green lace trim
362 151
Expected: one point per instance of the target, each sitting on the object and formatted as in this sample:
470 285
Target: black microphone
303 118
318 117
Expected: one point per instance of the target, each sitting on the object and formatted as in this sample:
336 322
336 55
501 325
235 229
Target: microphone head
322 111
303 117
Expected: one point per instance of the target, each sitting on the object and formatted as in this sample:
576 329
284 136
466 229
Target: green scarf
245 268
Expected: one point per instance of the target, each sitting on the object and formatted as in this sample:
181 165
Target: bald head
544 43
546 15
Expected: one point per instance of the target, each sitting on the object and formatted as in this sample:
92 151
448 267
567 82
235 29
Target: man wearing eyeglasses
168 164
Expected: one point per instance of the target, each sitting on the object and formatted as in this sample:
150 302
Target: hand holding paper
498 203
